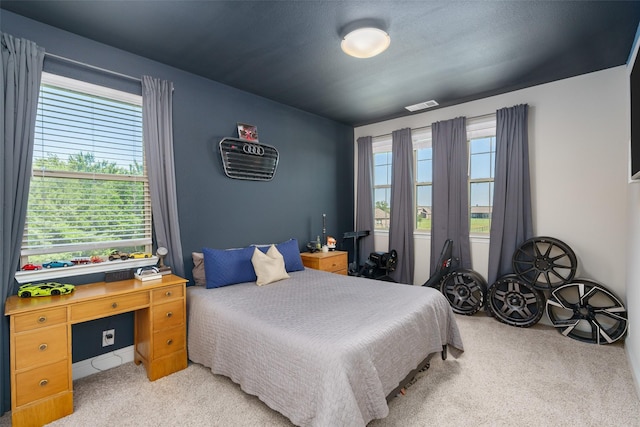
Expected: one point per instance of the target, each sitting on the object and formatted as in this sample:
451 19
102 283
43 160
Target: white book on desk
146 277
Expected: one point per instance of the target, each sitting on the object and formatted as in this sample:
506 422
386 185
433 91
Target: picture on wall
247 132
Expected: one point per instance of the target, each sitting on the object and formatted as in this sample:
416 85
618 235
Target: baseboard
102 363
635 372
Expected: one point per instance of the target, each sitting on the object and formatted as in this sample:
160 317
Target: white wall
578 142
632 341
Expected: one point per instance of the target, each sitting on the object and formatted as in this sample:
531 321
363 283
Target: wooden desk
40 339
332 261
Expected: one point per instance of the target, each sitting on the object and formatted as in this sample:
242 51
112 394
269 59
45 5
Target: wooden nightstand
332 261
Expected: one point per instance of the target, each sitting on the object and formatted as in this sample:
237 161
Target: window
89 192
381 182
482 163
481 134
423 154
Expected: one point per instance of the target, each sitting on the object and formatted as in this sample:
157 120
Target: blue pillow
228 267
290 252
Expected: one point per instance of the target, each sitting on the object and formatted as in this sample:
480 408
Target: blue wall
314 176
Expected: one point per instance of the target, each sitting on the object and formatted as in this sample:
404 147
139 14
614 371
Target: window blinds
89 188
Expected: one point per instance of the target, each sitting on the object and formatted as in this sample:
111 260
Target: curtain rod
84 64
482 116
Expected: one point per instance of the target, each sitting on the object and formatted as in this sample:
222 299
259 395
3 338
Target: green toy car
44 289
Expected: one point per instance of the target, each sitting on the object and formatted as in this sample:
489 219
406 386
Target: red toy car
30 266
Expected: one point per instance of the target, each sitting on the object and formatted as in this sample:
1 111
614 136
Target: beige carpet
507 376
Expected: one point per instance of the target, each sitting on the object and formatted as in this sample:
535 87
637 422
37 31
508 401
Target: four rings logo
255 150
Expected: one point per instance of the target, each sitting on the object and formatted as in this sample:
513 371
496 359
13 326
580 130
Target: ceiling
289 51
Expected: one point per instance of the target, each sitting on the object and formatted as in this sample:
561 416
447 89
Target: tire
55 292
545 262
465 291
25 294
587 311
515 302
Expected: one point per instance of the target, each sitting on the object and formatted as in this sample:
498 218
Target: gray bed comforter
320 348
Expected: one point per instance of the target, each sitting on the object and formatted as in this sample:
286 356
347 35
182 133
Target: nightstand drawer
42 382
40 346
40 319
108 306
168 341
333 264
168 315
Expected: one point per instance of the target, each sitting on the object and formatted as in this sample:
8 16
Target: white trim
89 88
80 270
100 363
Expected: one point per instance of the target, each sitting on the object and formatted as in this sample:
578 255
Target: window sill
79 270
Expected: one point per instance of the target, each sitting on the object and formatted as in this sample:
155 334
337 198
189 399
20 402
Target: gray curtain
450 214
511 219
365 207
157 122
20 75
403 215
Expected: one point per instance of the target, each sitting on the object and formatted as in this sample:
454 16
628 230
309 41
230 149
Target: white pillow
269 267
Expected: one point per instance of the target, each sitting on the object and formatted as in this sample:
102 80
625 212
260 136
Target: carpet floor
507 376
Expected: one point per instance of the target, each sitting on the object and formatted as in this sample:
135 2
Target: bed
320 348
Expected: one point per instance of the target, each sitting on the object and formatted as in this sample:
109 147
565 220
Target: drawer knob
169 314
42 347
169 341
114 305
44 382
42 319
168 293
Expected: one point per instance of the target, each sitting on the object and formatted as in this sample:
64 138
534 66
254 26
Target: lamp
365 42
162 253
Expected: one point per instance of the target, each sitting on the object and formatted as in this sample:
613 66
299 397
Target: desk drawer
168 293
40 319
37 347
168 341
333 264
109 306
42 382
168 315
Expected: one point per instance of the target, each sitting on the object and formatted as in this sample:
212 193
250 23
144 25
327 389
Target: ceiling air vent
248 160
422 105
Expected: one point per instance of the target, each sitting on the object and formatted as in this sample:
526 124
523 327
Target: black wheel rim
545 262
587 311
465 290
515 302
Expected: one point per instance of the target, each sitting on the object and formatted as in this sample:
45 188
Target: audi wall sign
248 159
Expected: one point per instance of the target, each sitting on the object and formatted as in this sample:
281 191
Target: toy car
44 289
117 254
137 255
56 264
96 259
31 267
81 260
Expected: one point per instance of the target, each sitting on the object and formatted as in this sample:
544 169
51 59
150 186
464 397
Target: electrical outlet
108 337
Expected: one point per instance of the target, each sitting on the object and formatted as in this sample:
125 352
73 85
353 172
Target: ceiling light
365 42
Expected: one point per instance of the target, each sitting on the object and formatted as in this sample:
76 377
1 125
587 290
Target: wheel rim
545 262
587 311
465 290
515 302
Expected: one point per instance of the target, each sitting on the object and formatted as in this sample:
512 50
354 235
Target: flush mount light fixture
365 42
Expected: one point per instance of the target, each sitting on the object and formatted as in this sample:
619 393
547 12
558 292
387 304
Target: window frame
145 242
477 127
